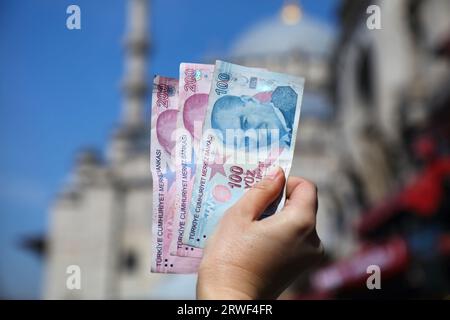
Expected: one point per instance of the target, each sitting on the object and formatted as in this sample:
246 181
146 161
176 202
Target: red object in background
392 257
422 197
425 148
444 245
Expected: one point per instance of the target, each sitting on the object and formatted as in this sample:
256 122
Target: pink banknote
165 109
194 86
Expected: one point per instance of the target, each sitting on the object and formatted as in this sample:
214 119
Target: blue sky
59 92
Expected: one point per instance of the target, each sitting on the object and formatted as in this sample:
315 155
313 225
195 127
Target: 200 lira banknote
194 86
250 125
165 110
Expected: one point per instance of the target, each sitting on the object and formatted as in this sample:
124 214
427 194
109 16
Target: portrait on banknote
265 111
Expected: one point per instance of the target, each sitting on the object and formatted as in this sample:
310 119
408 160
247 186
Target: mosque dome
274 36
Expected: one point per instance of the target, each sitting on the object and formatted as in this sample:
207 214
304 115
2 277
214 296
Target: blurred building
384 82
366 96
101 220
393 113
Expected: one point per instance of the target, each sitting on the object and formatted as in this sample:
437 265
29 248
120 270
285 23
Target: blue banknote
250 125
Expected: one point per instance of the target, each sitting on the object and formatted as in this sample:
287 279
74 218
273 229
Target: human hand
247 258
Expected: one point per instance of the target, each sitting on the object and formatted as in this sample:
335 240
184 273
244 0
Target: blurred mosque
101 220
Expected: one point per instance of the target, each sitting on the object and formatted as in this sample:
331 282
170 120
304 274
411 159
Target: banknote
250 125
194 85
165 110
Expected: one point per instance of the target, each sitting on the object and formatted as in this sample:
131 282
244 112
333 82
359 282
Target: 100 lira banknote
250 125
194 86
165 108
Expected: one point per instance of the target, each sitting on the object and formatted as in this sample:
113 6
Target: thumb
253 203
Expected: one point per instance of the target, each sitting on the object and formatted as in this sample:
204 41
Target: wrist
223 284
221 293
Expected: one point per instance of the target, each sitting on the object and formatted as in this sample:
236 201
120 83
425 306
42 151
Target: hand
247 258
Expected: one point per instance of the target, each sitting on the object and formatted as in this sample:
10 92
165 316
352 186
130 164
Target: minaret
135 80
131 133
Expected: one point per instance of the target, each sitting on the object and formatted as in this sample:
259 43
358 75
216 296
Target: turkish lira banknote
165 109
194 86
250 125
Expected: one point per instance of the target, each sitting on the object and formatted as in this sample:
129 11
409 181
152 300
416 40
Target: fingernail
273 173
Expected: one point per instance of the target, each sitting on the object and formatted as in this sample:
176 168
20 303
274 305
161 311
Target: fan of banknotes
215 132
